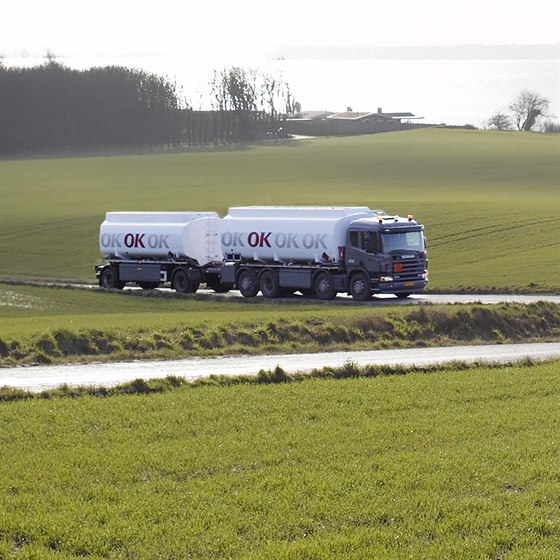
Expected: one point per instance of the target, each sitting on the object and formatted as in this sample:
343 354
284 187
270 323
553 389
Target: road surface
341 299
38 378
384 299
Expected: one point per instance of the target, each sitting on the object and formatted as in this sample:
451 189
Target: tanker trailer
322 251
151 248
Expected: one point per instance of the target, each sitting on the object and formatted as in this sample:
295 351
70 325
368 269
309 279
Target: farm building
323 123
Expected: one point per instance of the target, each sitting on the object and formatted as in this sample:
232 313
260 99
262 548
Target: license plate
409 284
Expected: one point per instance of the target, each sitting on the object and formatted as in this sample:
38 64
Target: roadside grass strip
259 333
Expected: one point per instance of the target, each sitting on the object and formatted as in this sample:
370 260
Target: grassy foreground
41 325
489 201
443 465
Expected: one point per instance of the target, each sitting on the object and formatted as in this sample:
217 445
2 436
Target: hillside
489 200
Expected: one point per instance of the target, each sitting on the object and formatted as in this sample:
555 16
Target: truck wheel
359 287
268 284
109 279
181 282
148 285
247 283
193 287
324 286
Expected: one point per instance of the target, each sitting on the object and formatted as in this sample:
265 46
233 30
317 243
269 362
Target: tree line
52 107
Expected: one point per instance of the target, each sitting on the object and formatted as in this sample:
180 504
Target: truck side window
364 240
369 242
354 238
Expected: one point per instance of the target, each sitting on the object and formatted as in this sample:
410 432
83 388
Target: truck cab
385 255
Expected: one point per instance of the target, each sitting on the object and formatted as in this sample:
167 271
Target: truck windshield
409 241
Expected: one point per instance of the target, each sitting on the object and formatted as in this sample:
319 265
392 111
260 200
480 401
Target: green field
454 464
489 201
442 466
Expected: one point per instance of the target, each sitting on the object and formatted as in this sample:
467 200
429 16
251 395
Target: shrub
70 343
48 345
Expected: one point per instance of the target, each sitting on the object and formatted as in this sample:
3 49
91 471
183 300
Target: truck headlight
385 278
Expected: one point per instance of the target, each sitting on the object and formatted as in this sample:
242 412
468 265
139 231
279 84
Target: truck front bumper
406 286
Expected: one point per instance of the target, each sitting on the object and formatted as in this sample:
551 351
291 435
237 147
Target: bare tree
250 102
499 121
269 91
527 107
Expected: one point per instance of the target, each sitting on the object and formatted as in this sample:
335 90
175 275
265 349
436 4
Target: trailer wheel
324 286
109 279
180 282
247 283
268 283
359 287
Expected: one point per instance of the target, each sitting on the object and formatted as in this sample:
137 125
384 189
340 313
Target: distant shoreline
456 52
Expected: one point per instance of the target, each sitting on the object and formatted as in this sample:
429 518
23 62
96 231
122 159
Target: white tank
161 235
283 234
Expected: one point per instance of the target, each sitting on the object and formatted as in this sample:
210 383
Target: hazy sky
191 28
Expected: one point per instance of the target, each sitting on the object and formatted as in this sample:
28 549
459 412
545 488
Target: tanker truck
318 251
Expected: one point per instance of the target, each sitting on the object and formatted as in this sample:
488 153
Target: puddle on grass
11 298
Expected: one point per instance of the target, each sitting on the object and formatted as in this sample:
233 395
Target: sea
436 91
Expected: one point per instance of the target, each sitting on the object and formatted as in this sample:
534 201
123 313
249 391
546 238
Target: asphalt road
384 299
341 299
38 378
389 299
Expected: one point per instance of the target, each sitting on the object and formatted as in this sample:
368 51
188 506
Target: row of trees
525 112
53 107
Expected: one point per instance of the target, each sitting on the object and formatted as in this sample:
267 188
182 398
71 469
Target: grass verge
456 464
419 326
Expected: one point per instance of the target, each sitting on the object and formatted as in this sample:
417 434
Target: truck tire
359 287
247 283
268 283
324 286
109 279
180 282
